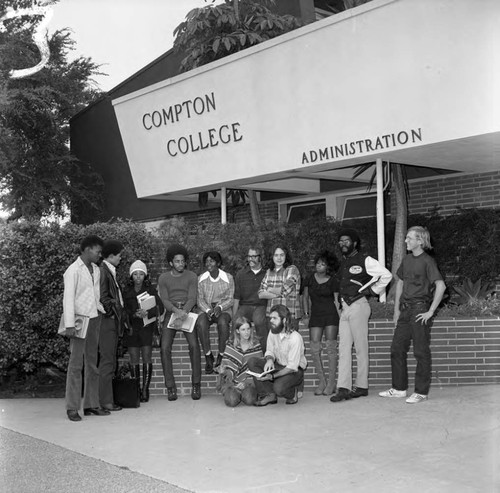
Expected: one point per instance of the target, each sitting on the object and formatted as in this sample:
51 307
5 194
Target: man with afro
178 291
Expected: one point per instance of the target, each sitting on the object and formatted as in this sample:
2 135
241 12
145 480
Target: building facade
393 80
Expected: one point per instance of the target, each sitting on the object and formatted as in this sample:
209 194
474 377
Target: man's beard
348 250
278 329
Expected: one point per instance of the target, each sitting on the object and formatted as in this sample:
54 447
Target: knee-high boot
136 373
318 364
331 350
147 371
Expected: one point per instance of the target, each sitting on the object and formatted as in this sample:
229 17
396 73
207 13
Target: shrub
33 258
469 292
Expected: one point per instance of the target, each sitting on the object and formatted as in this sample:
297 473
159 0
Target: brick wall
240 214
467 190
464 352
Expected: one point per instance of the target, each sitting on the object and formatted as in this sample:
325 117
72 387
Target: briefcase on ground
126 391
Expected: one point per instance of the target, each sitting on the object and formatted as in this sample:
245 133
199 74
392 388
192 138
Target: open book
259 375
187 323
81 326
146 302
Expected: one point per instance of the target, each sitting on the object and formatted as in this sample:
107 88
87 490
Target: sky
121 35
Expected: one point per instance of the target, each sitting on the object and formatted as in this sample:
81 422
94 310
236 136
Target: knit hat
138 265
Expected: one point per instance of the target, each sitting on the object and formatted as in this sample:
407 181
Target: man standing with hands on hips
414 307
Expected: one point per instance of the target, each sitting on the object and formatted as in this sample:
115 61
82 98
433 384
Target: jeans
283 386
409 329
108 340
353 329
167 340
203 329
257 315
83 352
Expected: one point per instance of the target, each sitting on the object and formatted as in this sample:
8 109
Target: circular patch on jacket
355 269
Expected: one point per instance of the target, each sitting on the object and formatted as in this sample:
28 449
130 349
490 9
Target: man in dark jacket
246 294
360 275
112 301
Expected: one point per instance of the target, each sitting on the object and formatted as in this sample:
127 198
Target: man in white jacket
81 300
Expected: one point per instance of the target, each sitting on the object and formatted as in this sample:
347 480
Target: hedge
33 258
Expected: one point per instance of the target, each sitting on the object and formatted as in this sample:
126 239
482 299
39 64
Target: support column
380 219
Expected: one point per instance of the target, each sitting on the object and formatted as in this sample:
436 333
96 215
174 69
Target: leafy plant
216 31
470 291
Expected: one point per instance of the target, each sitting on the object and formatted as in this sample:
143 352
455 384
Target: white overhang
410 81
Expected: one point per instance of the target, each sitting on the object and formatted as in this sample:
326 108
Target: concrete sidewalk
449 444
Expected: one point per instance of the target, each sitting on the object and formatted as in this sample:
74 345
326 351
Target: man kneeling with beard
284 362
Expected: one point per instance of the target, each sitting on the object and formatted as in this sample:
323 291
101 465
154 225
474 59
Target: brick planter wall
465 351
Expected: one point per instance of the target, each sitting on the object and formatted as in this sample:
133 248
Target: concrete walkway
449 444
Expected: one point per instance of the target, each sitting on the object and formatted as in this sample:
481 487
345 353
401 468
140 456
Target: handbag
126 389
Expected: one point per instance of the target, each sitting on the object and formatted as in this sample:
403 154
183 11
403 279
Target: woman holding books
235 384
143 306
320 304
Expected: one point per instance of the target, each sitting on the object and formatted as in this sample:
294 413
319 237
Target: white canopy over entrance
410 81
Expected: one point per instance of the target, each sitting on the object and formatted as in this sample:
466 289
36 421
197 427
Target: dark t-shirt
418 275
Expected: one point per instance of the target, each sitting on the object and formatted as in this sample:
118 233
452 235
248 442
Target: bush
33 259
233 240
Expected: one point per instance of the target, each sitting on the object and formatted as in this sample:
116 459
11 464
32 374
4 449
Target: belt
406 306
349 300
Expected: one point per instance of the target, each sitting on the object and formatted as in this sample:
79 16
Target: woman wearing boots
140 341
320 303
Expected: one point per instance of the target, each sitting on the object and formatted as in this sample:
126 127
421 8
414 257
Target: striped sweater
236 360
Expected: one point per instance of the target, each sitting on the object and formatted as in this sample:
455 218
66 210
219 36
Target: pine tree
38 175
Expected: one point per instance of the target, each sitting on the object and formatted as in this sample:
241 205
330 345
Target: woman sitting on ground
140 341
235 384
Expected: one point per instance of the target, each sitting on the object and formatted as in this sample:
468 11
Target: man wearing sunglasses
246 298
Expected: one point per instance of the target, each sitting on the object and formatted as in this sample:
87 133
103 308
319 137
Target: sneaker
392 393
196 392
172 393
416 398
341 395
209 364
358 392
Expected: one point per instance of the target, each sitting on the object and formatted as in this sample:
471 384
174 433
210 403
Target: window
303 210
360 206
